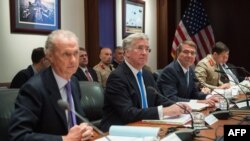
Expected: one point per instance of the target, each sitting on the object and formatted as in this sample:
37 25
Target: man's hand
82 132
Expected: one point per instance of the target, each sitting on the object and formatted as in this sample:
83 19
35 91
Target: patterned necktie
71 116
88 75
143 96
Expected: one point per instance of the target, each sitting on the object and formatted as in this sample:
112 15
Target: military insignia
211 62
102 66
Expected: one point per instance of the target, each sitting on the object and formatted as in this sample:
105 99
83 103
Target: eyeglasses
142 48
187 52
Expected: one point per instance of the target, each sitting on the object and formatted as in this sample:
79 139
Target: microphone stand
64 105
185 135
247 100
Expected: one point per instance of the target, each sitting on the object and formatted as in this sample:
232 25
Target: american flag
194 25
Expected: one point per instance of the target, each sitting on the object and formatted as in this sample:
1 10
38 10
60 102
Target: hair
128 41
219 48
58 34
82 49
37 55
186 42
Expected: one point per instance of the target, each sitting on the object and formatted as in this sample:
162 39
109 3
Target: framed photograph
133 17
35 16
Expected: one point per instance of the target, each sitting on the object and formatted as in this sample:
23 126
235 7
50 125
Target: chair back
7 102
92 100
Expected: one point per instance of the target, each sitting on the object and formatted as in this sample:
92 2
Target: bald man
104 67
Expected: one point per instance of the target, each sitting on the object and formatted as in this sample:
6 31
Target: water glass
198 119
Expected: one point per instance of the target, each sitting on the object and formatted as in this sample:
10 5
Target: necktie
88 75
71 116
230 73
187 78
143 96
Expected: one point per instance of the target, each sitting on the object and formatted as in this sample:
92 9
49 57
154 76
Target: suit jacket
37 116
21 77
224 78
80 75
122 100
173 84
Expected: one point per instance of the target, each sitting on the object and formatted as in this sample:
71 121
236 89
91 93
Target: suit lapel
54 94
132 82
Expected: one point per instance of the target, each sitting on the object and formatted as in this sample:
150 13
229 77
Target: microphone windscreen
63 104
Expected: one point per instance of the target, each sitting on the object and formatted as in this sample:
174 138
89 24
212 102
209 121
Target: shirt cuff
193 101
208 96
160 112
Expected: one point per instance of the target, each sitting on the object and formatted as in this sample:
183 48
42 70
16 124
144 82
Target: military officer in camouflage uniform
104 67
205 70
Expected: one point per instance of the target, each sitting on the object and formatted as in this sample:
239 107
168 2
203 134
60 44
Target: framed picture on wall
35 16
133 17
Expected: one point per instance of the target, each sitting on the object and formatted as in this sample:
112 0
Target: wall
15 49
150 28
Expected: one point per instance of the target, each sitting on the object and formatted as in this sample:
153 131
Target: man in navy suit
177 79
37 116
84 72
39 62
127 97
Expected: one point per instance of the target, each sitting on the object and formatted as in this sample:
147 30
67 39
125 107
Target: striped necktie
71 115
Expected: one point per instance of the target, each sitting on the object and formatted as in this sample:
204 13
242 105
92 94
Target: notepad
176 120
196 106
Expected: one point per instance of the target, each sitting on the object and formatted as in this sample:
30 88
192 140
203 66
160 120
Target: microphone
65 106
238 84
234 68
187 134
221 114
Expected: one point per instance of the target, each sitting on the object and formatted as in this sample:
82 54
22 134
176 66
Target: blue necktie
143 96
71 116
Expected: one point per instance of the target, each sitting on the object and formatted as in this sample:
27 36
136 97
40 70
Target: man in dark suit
118 57
85 73
127 98
39 62
177 79
37 116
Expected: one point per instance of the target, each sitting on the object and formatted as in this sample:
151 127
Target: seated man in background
230 71
118 56
37 115
127 95
177 79
39 62
104 67
84 72
206 68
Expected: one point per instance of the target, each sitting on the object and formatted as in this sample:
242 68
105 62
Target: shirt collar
184 69
61 82
134 70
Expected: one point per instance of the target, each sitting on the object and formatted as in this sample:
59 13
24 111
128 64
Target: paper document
134 131
176 120
196 106
122 138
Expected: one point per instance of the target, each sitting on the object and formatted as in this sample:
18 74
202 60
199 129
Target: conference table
213 131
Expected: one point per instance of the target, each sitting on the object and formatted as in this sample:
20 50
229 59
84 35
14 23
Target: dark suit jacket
37 116
172 83
122 102
80 75
21 77
224 78
115 64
